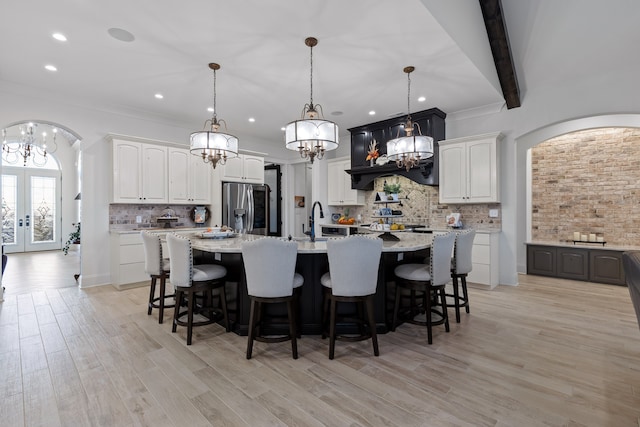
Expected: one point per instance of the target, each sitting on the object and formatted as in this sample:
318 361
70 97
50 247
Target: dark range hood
431 122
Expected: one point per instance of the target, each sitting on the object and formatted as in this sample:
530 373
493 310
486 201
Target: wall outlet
138 219
493 213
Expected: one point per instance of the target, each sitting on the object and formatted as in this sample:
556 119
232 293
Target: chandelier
214 147
407 151
312 135
27 146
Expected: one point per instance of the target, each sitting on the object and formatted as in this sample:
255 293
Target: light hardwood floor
31 271
548 352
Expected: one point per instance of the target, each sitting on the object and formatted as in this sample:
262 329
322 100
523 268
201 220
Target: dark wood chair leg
192 297
445 312
427 301
252 332
292 327
465 293
372 325
152 294
163 284
176 311
456 298
332 329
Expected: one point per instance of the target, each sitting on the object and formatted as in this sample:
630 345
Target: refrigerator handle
250 211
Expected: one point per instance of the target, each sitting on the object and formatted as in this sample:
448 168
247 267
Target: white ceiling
363 47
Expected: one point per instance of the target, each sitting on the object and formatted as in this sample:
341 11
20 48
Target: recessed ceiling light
251 119
422 99
50 67
158 96
210 109
59 36
282 128
120 34
372 113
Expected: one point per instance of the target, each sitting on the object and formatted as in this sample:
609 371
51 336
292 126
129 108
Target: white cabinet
485 261
139 172
189 178
127 260
244 168
469 169
339 191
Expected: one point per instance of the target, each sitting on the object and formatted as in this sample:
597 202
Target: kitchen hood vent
362 177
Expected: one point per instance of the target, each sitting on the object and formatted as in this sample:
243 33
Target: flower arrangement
373 153
391 188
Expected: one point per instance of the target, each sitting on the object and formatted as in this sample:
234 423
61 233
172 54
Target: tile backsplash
123 216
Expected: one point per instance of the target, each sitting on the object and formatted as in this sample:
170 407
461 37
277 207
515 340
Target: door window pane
9 197
43 208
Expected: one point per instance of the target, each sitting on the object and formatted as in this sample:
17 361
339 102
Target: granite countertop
158 230
408 242
585 245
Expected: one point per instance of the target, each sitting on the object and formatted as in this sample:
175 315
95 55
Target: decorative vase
371 162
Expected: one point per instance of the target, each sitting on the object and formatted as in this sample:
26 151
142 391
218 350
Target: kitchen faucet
312 220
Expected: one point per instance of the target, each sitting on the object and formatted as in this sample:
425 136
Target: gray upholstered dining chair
429 279
631 265
156 266
461 265
352 277
269 265
188 280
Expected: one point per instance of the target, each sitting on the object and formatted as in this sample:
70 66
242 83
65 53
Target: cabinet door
254 169
154 174
606 267
482 172
179 161
335 183
453 173
350 196
573 263
200 181
127 175
359 145
541 260
233 169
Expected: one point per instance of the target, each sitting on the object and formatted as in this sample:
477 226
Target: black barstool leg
252 332
176 311
465 293
292 327
152 294
456 298
223 303
192 297
163 284
427 301
445 312
372 325
332 329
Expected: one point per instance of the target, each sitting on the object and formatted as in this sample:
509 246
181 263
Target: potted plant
74 238
392 189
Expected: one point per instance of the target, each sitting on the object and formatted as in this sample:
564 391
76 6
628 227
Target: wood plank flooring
546 353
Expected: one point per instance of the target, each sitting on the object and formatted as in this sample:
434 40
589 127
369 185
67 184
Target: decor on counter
382 160
391 190
407 151
214 147
26 146
200 215
373 154
312 135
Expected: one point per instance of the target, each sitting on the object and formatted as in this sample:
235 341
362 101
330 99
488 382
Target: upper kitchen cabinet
431 123
139 172
469 169
339 191
189 178
244 168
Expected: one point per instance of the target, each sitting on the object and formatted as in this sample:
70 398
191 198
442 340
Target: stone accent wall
589 182
123 216
420 206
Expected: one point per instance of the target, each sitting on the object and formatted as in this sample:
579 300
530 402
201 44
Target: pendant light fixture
312 135
407 151
213 146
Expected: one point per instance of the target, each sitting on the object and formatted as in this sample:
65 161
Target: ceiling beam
499 41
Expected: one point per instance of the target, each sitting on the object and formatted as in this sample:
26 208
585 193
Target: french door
31 217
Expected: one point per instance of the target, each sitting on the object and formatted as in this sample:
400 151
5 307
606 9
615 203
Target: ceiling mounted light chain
26 146
407 151
311 136
213 146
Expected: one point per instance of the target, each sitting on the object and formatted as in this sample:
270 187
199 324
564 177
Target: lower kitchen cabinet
579 263
485 260
127 259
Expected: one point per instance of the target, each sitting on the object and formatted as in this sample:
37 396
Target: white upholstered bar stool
461 265
189 279
269 265
353 277
427 278
156 266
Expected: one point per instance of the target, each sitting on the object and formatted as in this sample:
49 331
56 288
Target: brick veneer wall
587 181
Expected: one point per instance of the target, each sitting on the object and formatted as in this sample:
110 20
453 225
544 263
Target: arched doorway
39 203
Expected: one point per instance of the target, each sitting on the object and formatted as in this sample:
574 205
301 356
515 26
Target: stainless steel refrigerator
245 207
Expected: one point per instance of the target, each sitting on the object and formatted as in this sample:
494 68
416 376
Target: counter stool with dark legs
156 266
461 265
353 277
269 266
188 280
429 279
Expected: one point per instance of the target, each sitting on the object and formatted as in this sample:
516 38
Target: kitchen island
311 263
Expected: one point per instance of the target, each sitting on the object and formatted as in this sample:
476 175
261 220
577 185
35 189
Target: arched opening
40 185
